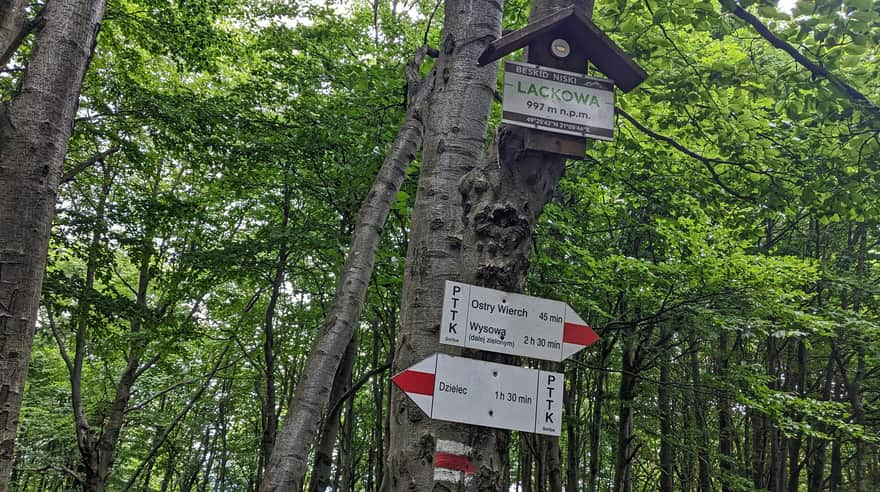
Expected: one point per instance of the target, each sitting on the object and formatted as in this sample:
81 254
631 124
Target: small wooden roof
577 28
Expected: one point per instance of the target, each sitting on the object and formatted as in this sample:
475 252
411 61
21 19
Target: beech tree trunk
287 466
699 410
623 477
667 466
725 425
35 127
320 479
473 221
13 27
268 414
456 119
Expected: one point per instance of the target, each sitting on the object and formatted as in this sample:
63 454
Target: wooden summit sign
560 46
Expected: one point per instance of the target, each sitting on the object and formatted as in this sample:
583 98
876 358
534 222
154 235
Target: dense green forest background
725 247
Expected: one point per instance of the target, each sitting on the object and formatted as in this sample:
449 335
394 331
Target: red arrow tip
421 383
579 334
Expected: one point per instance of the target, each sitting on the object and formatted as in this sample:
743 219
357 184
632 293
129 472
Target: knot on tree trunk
499 228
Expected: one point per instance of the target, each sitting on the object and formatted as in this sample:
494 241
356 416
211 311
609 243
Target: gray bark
320 479
454 136
480 235
287 466
623 474
667 460
268 415
13 27
34 130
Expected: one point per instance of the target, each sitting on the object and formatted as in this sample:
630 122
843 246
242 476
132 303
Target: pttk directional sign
476 392
516 324
557 101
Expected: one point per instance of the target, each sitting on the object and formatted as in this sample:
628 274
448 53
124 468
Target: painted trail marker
558 101
477 392
516 324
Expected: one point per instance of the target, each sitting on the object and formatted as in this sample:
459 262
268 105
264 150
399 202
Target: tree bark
268 414
501 199
725 425
623 478
571 401
456 120
597 403
553 463
667 465
13 27
287 466
704 462
320 479
34 130
798 375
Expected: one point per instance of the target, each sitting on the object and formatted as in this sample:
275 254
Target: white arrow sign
497 321
476 392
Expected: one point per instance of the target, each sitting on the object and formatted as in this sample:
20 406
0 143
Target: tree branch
356 386
24 29
816 70
707 162
82 166
177 418
58 338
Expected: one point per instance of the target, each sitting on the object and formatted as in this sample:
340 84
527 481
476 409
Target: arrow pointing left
477 392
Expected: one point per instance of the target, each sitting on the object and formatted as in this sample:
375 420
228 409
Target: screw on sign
475 392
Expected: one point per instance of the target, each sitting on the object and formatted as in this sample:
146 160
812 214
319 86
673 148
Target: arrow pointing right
576 334
508 323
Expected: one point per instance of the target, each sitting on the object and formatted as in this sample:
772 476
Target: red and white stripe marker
452 463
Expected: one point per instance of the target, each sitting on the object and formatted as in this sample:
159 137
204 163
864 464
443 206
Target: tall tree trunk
347 460
572 400
854 384
623 477
456 119
501 199
34 130
725 425
320 479
667 465
86 440
377 451
699 409
268 415
835 479
526 463
209 466
758 447
287 467
775 481
553 463
818 446
597 402
794 443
